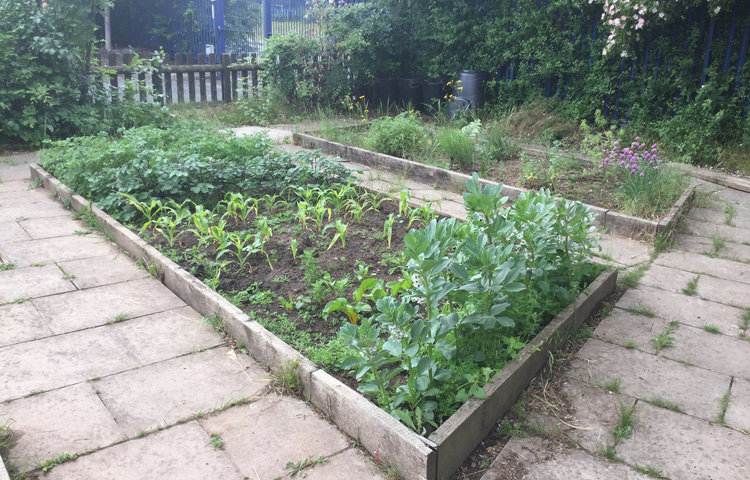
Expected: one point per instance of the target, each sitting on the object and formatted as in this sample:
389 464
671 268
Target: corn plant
242 245
403 204
308 194
375 201
218 233
355 209
340 233
202 220
302 209
167 228
388 228
150 211
319 213
264 228
293 245
425 214
339 197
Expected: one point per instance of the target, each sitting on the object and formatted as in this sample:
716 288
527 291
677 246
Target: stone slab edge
464 430
614 222
737 183
411 454
669 222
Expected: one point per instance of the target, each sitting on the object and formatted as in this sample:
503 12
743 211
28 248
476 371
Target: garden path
99 360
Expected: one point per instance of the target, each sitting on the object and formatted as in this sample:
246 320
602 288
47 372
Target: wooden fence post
212 74
226 78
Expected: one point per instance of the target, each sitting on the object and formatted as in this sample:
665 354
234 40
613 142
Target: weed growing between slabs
420 311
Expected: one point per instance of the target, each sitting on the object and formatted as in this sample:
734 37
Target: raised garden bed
606 217
414 455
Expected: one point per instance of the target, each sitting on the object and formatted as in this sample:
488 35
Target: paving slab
12 232
697 391
262 437
166 335
167 392
734 196
12 211
104 270
683 308
625 251
347 465
684 447
54 227
535 458
82 423
59 249
275 134
28 198
666 278
20 323
696 263
731 250
630 330
33 282
596 413
708 230
7 185
183 452
97 306
724 291
716 352
61 360
717 215
15 167
738 412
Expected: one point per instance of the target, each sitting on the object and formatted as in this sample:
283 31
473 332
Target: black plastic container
384 91
410 91
432 91
472 83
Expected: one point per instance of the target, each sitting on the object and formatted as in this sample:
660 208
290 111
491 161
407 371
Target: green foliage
458 146
475 293
290 65
47 87
187 160
401 136
263 108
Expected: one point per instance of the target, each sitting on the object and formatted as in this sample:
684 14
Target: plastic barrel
432 91
472 83
410 91
384 91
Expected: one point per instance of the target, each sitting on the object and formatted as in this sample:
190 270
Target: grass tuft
660 402
692 287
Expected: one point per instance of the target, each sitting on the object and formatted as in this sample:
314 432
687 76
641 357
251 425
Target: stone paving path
676 351
100 360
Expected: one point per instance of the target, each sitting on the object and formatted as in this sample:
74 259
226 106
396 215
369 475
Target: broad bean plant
473 293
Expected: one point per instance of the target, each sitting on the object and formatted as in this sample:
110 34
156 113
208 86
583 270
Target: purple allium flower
642 174
637 139
656 169
606 161
622 163
650 183
654 146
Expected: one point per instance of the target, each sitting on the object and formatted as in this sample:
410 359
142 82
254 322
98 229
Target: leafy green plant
458 146
340 234
401 136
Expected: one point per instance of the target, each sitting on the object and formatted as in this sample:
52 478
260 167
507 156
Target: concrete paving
103 364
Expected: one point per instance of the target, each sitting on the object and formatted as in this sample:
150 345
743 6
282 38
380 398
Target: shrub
290 65
401 136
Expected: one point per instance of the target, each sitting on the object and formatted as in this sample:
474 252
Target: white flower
624 54
717 10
